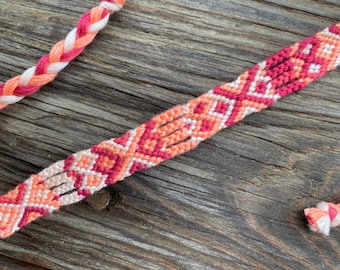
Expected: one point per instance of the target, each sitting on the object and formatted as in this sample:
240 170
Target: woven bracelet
173 132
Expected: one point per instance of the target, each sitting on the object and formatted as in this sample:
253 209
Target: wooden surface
233 203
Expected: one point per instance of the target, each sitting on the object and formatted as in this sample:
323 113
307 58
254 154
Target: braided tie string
323 217
61 54
172 132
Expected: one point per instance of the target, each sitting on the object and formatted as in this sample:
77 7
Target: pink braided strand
60 56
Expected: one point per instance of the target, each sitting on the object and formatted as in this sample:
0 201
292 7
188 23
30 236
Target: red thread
173 132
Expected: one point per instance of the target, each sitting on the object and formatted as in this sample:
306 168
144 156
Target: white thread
27 76
70 198
110 6
56 67
10 99
96 27
55 181
70 40
65 187
52 170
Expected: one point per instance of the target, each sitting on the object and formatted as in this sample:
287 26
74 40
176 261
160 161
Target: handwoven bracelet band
61 54
174 132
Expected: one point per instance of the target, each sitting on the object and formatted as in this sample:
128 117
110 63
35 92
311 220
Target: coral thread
170 133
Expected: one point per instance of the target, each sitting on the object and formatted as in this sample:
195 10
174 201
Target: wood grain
233 203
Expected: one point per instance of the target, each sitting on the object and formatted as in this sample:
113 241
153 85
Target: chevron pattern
27 202
172 132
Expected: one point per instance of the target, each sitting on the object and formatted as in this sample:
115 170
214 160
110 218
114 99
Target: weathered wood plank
9 264
233 203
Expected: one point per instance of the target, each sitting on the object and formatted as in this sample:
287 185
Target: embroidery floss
322 218
172 133
60 56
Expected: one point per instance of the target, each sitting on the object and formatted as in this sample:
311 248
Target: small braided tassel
61 54
322 218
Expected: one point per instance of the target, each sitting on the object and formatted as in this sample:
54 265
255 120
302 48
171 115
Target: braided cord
61 54
170 133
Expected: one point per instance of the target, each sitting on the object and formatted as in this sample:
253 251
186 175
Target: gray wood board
236 201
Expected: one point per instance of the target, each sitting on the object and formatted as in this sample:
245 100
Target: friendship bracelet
174 132
61 54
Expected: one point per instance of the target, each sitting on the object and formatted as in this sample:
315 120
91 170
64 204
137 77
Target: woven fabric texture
170 133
